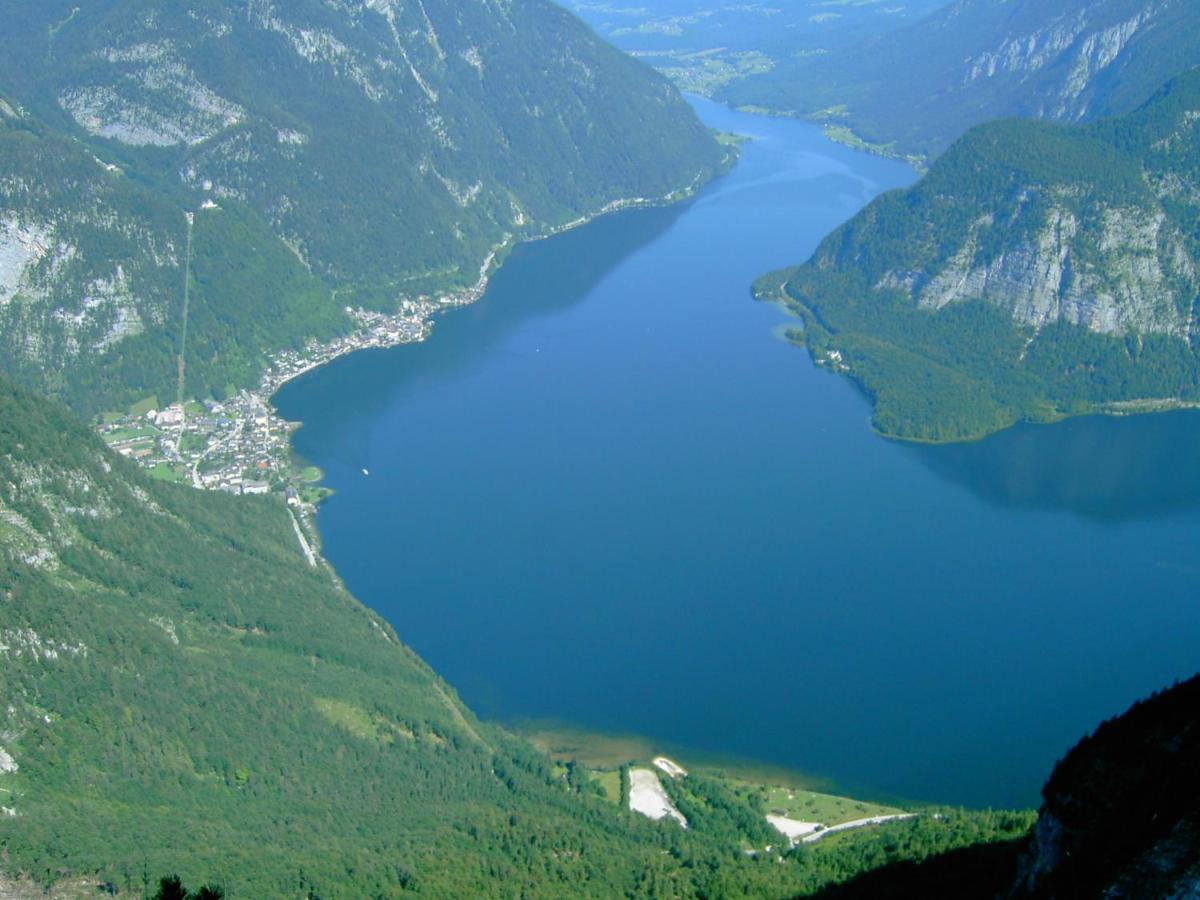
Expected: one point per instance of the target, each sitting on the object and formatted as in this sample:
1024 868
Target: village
239 444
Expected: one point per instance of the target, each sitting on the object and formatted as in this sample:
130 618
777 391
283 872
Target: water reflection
1100 467
537 278
635 511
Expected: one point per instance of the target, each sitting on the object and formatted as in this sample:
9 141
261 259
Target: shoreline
776 295
838 132
413 324
425 307
607 750
242 445
1115 409
803 810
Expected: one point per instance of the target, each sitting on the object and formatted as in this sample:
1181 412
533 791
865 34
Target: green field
164 472
610 784
811 806
192 442
314 495
144 406
131 434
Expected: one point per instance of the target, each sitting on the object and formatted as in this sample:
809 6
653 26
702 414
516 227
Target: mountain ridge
1036 271
339 155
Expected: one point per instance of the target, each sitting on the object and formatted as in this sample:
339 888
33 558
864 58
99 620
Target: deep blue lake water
609 494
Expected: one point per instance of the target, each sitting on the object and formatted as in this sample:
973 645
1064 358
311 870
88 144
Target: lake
609 494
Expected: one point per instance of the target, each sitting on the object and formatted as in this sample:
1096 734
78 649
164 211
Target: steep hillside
1121 812
1036 271
371 148
913 90
182 692
92 265
1119 819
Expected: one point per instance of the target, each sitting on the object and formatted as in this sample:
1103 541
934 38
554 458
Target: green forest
940 369
342 178
192 708
186 696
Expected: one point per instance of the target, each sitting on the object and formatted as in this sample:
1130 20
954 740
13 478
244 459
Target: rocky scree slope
1036 271
915 89
375 148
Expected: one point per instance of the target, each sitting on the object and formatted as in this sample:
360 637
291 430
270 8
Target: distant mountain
705 44
913 90
1037 271
364 147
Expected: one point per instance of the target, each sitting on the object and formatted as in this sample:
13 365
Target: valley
648 482
401 491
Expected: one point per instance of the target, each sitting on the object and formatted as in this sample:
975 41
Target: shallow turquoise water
609 494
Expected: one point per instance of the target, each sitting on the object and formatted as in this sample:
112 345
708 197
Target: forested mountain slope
1038 270
915 89
367 147
92 265
182 692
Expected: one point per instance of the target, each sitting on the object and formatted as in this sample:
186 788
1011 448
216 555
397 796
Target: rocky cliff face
92 276
1070 49
1092 227
1037 270
89 261
1125 269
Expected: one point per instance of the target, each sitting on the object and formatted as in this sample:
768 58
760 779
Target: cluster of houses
240 445
412 323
